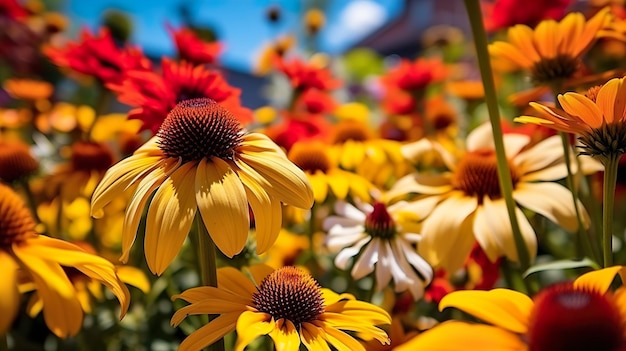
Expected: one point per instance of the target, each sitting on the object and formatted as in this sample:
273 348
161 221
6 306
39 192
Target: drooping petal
341 341
251 325
312 337
223 205
10 301
342 259
454 336
133 276
599 280
209 333
285 336
169 218
552 201
366 261
579 105
505 308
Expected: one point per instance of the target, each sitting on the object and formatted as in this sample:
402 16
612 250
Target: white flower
373 234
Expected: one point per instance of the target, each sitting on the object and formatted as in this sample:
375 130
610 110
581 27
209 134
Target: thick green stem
504 174
207 261
608 197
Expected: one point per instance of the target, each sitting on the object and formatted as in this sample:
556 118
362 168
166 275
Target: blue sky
240 24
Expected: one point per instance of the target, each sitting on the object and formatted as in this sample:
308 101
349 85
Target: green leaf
561 265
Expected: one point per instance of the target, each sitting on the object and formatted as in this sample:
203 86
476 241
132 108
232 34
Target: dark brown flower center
566 318
558 68
16 222
91 156
350 130
477 175
16 161
289 293
200 128
379 223
310 157
608 141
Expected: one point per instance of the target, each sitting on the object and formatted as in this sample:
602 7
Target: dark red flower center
91 156
310 157
477 174
16 161
350 130
379 223
16 221
567 318
200 128
289 293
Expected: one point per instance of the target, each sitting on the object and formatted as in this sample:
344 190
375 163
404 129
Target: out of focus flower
414 76
287 304
286 250
193 49
16 160
13 9
272 54
28 89
43 259
218 172
314 20
583 315
501 14
153 95
304 76
326 178
291 130
467 205
98 57
379 238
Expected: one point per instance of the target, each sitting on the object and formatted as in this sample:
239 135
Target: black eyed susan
583 315
201 160
287 304
44 259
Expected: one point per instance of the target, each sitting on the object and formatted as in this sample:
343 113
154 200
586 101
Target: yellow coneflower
287 304
201 160
44 259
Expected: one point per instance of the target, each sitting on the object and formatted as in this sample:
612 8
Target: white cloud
356 20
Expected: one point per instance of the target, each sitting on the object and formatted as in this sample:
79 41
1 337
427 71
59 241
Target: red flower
505 13
291 130
305 76
414 76
316 102
193 49
98 56
154 95
13 9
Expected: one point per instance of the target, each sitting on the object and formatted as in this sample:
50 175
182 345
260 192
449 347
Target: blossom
304 76
44 259
16 160
287 304
201 160
380 240
579 315
193 49
154 95
98 56
467 205
501 14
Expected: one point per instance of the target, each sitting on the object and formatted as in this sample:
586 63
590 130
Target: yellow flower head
201 160
552 50
287 304
583 315
44 260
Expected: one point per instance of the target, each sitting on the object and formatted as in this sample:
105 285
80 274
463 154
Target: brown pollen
16 222
477 175
558 68
91 156
200 128
310 156
16 161
607 141
350 130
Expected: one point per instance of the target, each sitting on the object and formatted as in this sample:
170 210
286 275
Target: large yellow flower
43 259
465 204
583 315
599 117
286 304
202 161
551 51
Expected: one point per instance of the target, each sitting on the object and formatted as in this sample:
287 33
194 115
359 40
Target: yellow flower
599 117
582 315
551 51
322 170
465 205
202 161
286 304
44 259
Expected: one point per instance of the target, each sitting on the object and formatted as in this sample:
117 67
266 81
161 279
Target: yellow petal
338 183
222 202
340 340
319 186
546 39
504 308
285 336
233 280
454 336
250 326
521 36
599 280
579 105
210 333
510 53
10 301
169 219
133 276
312 337
259 272
570 30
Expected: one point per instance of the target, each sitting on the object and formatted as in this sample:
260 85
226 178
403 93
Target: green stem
608 197
207 261
4 343
504 174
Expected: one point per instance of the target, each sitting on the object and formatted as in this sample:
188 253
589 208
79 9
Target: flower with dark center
27 256
201 160
377 238
465 204
580 316
16 161
286 304
316 160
